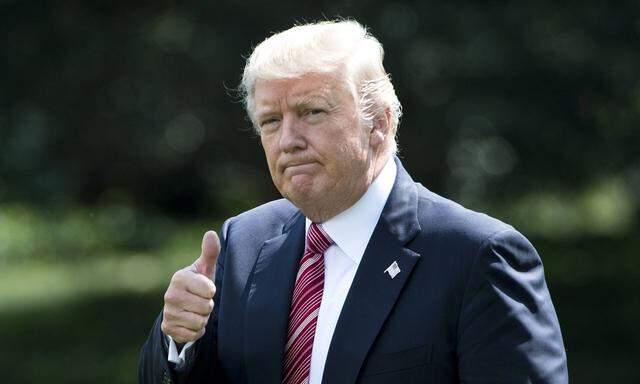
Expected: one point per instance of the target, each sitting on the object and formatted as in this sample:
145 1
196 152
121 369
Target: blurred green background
122 140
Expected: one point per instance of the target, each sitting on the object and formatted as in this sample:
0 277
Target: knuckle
210 306
166 314
176 316
179 276
190 335
196 281
195 323
169 296
178 337
211 288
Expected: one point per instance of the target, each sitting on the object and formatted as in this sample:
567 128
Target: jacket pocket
396 361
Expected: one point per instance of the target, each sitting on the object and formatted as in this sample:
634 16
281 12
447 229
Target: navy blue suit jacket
470 304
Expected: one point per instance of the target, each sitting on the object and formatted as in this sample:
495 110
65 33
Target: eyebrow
262 112
270 108
312 99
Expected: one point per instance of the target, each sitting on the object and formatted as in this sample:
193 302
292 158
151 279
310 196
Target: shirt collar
352 228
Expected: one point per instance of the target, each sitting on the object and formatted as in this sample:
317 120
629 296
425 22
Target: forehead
269 94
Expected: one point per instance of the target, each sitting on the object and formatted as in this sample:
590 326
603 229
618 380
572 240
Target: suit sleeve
202 364
153 366
508 331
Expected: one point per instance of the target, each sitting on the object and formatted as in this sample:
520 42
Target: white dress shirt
350 231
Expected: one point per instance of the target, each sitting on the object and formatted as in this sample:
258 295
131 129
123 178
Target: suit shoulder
269 218
457 237
446 217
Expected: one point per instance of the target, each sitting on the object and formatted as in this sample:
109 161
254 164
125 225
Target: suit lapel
269 302
373 292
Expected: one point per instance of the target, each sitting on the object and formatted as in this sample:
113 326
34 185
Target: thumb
205 264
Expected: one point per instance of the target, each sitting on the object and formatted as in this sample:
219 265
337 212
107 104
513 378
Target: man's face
318 153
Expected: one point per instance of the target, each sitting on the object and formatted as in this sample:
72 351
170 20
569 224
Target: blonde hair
327 47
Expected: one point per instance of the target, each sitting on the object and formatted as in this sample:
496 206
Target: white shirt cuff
174 357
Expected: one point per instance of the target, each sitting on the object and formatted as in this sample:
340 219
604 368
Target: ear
380 129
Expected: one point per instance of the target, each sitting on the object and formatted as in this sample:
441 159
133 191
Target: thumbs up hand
188 301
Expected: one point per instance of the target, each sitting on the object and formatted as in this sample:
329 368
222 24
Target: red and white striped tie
305 305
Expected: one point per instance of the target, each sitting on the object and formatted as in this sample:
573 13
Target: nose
292 135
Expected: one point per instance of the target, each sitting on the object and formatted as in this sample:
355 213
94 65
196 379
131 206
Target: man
359 275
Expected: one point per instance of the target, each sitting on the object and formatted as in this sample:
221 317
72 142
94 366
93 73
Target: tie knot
317 239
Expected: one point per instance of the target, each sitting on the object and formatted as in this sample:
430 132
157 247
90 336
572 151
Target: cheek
269 151
272 159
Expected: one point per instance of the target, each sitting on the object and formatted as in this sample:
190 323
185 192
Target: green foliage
500 100
605 208
29 234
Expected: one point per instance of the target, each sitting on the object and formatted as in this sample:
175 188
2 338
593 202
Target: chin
301 195
300 184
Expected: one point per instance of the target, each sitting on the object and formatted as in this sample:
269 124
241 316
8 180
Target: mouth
299 167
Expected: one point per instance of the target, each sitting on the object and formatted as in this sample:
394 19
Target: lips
299 166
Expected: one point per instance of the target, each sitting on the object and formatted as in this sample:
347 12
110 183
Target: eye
314 111
314 115
268 122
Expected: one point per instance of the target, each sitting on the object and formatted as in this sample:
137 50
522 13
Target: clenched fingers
183 335
183 300
185 319
193 282
188 302
197 305
200 285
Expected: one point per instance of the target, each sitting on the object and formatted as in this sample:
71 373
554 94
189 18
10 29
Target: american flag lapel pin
393 269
